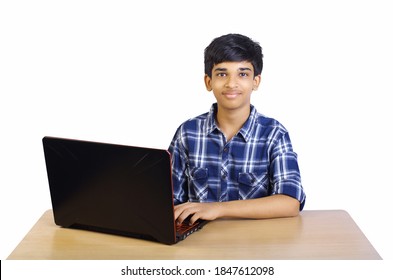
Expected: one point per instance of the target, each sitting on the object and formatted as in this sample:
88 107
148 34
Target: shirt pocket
252 185
197 184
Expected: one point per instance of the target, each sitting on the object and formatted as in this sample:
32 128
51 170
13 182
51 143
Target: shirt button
225 150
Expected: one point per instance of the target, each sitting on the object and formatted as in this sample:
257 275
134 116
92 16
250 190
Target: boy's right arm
179 180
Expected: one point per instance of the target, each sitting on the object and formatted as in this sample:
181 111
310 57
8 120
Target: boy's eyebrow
240 69
244 69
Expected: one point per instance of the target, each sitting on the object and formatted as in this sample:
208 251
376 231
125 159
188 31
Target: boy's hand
197 210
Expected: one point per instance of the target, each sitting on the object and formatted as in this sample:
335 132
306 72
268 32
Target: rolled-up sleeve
284 170
179 164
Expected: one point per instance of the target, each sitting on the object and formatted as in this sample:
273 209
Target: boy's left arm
274 206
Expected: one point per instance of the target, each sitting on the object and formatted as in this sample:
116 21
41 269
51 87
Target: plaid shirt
258 161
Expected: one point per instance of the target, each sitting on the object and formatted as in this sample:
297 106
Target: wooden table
322 234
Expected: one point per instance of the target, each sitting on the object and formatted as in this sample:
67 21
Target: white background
130 72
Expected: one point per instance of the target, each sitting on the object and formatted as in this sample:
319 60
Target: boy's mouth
231 94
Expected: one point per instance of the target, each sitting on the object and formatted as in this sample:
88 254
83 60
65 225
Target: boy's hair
233 47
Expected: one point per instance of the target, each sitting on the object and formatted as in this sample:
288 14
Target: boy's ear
257 81
208 83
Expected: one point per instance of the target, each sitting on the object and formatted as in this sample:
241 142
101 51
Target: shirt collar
211 119
249 125
245 131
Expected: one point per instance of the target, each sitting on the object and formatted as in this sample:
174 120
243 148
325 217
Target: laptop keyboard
185 229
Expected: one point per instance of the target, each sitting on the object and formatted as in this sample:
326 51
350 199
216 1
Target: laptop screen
111 188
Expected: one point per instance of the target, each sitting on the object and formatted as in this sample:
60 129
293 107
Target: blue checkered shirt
258 161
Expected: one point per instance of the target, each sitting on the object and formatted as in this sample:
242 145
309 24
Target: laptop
114 189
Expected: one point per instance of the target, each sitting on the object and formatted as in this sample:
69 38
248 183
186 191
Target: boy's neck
231 121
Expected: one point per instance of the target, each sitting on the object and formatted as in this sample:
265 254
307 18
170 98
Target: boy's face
232 84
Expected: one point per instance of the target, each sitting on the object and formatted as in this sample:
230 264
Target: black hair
233 47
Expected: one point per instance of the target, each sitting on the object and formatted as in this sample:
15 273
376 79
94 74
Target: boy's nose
231 82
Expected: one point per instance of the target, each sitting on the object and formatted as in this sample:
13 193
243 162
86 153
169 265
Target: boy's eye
241 74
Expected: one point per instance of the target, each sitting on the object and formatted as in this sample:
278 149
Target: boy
232 161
